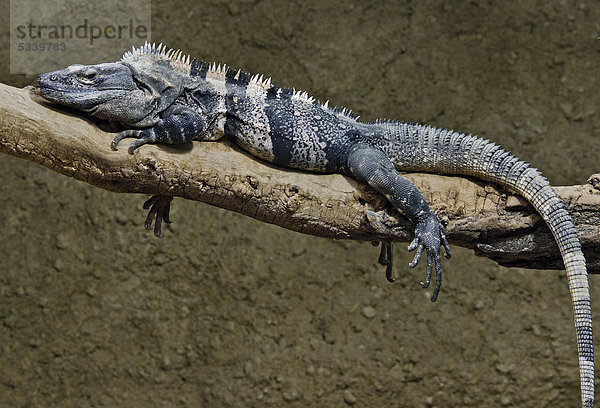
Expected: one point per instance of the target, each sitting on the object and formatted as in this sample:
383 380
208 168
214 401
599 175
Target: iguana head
133 91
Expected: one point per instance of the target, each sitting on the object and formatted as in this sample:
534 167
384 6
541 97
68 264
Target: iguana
160 96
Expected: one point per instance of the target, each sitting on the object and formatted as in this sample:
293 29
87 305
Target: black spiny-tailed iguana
160 96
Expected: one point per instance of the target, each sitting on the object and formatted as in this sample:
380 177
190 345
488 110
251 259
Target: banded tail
429 149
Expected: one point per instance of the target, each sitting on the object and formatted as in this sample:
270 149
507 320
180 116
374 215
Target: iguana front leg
372 166
179 124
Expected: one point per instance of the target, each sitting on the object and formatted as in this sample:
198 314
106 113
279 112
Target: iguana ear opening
158 80
146 82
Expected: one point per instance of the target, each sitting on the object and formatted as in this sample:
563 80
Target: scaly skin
160 96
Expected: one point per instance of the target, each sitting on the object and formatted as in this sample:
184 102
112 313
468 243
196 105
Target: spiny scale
177 56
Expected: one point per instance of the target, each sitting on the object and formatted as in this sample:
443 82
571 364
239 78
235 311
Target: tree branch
480 215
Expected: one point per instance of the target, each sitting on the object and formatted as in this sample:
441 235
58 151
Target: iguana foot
143 136
160 206
429 236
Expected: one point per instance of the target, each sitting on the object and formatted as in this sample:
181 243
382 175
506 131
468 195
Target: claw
417 257
131 133
382 260
413 245
446 245
429 271
386 259
142 137
160 208
137 143
438 278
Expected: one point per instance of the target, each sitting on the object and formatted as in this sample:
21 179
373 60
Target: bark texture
478 215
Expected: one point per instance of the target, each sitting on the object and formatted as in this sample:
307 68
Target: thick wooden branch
479 215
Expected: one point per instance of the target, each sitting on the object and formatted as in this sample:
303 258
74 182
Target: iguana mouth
40 88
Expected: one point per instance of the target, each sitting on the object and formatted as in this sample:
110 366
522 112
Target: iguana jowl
161 96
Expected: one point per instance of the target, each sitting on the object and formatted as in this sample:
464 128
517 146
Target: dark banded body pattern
160 96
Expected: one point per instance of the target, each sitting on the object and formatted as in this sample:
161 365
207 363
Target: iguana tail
424 148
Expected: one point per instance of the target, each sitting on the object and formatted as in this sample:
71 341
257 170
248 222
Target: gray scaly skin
161 96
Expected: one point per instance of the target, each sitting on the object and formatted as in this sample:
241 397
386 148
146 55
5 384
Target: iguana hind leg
372 166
